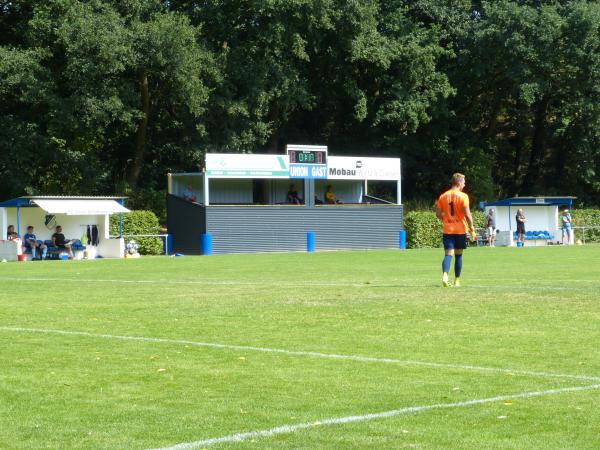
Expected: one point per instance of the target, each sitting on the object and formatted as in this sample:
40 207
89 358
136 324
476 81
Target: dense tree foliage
106 96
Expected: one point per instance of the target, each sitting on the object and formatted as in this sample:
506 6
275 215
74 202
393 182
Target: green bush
587 218
424 229
140 222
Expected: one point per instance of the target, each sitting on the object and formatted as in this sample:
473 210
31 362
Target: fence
587 234
165 237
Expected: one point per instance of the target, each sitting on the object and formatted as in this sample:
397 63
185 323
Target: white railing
164 237
583 228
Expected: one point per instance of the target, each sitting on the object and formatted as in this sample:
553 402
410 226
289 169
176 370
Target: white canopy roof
87 207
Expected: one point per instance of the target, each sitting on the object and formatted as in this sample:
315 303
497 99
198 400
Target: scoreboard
307 161
308 156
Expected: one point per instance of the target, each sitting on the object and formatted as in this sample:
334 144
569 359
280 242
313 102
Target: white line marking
304 353
286 429
366 284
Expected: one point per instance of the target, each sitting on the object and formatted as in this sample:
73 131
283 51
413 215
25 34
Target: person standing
454 212
520 217
566 227
491 227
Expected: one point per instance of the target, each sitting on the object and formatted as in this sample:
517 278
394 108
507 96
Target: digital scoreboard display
307 156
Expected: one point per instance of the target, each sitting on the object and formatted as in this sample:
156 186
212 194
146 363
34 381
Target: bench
536 236
54 252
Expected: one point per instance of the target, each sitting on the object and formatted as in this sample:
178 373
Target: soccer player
453 210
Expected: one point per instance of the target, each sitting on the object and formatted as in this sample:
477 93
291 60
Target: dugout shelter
240 201
543 224
73 213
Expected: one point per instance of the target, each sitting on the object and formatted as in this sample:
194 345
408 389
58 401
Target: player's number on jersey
451 204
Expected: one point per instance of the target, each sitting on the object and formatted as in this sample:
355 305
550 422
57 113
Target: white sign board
228 165
358 168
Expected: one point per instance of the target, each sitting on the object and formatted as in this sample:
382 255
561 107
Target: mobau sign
356 168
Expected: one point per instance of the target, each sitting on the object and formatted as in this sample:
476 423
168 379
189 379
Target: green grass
526 310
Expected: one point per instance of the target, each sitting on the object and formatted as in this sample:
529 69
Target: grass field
303 351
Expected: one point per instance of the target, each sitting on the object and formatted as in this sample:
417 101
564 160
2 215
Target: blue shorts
455 241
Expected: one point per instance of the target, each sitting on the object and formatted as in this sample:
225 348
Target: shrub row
587 218
139 222
424 229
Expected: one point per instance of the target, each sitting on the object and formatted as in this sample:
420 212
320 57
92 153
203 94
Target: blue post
402 239
207 244
311 242
169 244
18 221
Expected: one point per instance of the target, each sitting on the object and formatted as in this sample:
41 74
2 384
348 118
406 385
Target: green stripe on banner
247 173
281 162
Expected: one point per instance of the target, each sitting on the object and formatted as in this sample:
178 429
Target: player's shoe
445 281
457 282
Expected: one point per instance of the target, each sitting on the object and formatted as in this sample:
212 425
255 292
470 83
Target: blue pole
207 244
402 239
18 221
311 241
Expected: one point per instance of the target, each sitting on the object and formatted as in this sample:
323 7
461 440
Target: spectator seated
27 248
54 252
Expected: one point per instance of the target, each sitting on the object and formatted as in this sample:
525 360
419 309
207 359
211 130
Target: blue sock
446 263
458 266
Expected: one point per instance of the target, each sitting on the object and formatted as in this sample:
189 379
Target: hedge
140 222
424 229
587 218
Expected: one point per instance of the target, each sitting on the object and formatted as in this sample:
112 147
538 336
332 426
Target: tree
124 75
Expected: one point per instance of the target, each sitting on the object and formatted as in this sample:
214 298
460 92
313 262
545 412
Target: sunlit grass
524 310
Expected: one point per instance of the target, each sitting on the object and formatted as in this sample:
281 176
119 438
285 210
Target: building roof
32 201
539 201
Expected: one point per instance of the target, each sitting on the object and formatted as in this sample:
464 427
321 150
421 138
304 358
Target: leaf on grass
161 370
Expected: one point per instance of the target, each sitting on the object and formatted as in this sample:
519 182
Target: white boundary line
359 358
286 429
366 284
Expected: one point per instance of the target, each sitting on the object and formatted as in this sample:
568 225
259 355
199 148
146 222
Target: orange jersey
453 204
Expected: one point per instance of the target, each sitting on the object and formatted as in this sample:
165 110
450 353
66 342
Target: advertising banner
228 165
308 171
359 168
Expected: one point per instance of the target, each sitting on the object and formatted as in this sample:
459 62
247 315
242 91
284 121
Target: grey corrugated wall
246 229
